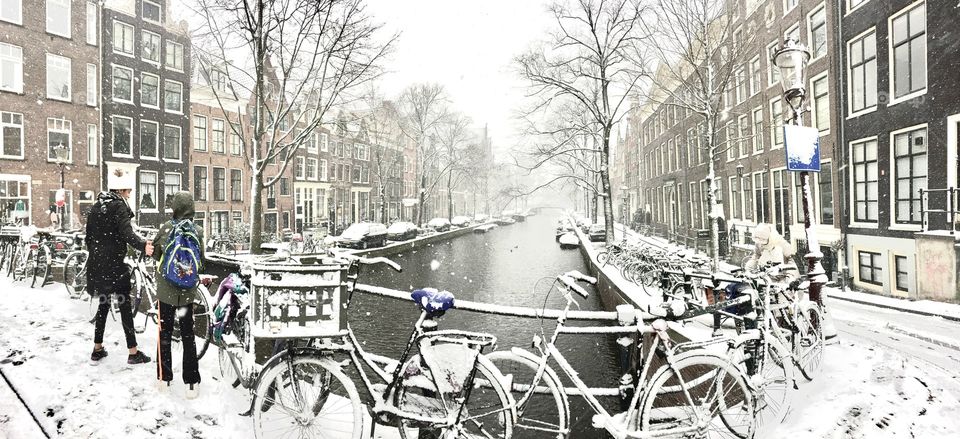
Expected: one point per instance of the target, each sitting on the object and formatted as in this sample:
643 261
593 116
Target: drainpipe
844 269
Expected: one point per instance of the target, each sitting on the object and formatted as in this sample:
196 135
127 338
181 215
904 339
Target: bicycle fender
552 374
297 351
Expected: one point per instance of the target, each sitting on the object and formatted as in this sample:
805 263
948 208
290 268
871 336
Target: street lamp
61 153
791 58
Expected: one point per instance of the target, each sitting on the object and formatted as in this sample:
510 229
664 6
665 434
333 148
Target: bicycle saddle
432 301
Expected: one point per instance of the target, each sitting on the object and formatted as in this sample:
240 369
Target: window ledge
905 227
907 97
149 210
859 113
856 225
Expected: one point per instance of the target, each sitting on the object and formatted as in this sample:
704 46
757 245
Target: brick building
48 97
146 104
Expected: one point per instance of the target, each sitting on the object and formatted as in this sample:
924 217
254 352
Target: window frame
18 73
876 269
92 85
91 32
223 187
205 194
166 46
4 125
851 112
223 135
854 220
179 109
776 129
157 144
68 4
113 140
810 30
143 41
891 62
896 274
163 153
167 206
196 130
93 135
894 176
113 83
140 191
824 76
239 186
156 95
19 18
118 49
53 57
159 11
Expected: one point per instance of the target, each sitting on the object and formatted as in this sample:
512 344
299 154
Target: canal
511 265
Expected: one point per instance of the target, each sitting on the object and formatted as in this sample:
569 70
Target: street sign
802 146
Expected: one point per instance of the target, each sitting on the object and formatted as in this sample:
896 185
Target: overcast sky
466 45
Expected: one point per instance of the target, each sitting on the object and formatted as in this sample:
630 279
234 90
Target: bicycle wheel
487 410
26 265
602 258
75 273
702 395
772 379
542 411
808 341
41 267
311 397
202 316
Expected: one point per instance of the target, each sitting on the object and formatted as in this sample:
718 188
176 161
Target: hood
182 205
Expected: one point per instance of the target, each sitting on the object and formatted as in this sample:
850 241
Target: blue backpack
182 261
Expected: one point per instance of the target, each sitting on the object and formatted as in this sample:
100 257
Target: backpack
182 261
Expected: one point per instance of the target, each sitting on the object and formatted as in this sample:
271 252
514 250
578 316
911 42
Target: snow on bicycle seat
432 301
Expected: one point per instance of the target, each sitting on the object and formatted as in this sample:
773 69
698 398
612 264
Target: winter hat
762 233
119 179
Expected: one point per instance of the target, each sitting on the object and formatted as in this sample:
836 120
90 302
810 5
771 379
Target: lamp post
624 209
61 152
791 58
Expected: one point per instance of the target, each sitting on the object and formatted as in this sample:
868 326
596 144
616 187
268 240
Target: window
909 48
91 23
122 38
58 77
199 133
92 144
900 265
298 170
236 148
151 11
149 138
312 142
237 218
150 47
11 138
818 32
149 90
122 127
747 197
12 11
58 17
218 80
11 68
172 96
323 142
122 84
333 171
200 183
357 175
865 187
776 123
909 173
773 73
735 199
821 103
761 197
870 270
92 85
740 78
218 136
236 185
825 186
755 72
171 142
272 202
788 5
174 56
323 170
171 185
219 184
757 130
284 186
863 72
311 169
853 4
148 190
743 134
199 218
781 201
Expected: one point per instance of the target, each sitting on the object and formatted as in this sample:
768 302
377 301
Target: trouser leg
191 372
126 318
100 320
165 333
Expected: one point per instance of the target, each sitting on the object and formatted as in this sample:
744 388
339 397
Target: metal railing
950 211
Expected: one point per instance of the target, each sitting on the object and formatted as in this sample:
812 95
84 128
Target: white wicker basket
298 301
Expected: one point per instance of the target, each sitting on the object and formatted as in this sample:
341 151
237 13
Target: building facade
146 102
49 99
901 116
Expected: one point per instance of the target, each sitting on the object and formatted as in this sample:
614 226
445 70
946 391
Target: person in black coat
108 234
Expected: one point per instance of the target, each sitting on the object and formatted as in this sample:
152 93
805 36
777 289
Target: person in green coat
173 301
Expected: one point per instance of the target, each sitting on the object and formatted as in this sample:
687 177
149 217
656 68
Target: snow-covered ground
890 375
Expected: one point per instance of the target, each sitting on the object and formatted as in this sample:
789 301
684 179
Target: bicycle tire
775 383
41 267
498 416
671 385
602 258
202 319
809 340
335 397
75 273
535 413
15 259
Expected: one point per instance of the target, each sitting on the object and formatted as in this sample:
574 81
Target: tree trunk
712 200
256 214
383 206
422 196
450 196
605 187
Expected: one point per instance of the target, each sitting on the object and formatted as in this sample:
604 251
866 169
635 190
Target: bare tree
457 152
584 70
699 55
381 128
422 107
286 64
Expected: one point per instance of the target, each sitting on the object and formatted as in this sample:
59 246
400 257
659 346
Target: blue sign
802 146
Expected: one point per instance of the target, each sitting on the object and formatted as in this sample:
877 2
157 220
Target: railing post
952 209
923 217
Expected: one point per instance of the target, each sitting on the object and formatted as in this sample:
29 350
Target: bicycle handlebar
367 261
571 284
576 274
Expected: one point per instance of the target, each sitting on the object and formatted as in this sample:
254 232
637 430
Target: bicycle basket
298 301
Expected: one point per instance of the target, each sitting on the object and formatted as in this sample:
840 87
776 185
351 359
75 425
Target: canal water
511 265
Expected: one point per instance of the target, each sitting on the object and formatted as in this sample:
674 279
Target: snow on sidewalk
15 421
926 307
